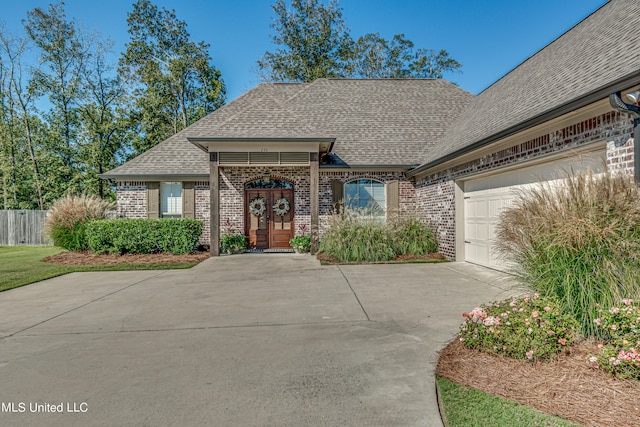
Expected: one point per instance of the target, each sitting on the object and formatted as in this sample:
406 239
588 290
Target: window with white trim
171 199
366 196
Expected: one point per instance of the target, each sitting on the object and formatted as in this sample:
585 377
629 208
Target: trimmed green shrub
521 328
67 219
578 242
301 244
70 238
233 243
144 236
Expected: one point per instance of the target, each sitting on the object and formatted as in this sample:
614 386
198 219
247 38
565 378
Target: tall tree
20 130
105 131
375 57
429 63
62 53
177 84
8 167
314 42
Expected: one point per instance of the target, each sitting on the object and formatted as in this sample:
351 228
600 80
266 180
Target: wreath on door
281 207
257 206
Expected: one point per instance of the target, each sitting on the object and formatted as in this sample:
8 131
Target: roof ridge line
389 79
286 108
308 126
304 88
555 40
233 116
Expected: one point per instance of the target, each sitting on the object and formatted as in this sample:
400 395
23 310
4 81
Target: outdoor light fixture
617 103
634 96
266 176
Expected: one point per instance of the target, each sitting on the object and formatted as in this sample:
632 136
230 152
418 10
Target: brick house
277 159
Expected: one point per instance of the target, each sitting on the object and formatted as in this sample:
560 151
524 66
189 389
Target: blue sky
488 37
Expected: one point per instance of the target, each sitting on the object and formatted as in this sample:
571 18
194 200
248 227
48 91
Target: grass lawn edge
29 268
508 407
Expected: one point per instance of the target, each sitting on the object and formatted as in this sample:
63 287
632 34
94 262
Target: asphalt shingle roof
413 121
602 48
374 122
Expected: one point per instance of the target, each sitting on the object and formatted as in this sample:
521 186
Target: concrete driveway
245 340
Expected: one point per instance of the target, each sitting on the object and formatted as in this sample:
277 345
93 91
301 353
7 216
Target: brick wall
131 198
202 211
406 191
232 184
433 196
620 156
233 180
435 193
436 202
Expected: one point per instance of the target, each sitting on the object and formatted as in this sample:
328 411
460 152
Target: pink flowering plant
620 354
530 327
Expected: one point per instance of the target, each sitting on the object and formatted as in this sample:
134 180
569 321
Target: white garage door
485 198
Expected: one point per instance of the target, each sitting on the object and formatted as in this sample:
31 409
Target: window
366 196
171 199
270 183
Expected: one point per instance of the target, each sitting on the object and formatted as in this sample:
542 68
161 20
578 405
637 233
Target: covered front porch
266 189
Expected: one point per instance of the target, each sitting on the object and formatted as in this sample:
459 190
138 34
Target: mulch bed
321 256
89 258
567 386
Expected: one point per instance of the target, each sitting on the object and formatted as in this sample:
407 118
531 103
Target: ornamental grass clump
412 236
68 217
620 325
578 242
521 328
362 235
355 235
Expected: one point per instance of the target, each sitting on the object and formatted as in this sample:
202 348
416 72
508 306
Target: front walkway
251 340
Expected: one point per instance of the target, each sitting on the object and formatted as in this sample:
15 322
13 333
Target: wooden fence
26 228
22 227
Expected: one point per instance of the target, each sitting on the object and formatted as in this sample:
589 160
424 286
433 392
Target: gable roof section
382 121
374 122
596 53
176 156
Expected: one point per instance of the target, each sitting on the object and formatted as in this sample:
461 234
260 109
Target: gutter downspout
636 150
616 102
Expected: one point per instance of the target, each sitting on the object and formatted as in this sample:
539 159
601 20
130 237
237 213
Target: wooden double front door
269 218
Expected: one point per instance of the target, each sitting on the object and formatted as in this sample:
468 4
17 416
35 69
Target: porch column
314 195
214 203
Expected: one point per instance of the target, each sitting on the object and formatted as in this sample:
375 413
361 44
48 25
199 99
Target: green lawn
21 265
466 406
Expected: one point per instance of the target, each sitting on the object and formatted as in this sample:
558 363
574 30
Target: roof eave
154 177
266 139
370 167
204 142
580 102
